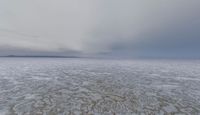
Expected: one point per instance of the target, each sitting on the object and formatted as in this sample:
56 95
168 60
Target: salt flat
49 86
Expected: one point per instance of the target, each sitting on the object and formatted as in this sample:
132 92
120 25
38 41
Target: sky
101 28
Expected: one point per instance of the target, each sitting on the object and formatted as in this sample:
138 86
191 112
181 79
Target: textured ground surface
100 87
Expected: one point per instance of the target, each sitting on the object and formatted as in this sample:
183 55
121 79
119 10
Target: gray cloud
168 28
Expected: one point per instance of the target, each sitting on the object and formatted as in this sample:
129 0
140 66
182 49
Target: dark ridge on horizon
39 56
113 57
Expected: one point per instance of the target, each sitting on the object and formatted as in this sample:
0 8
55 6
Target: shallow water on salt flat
55 86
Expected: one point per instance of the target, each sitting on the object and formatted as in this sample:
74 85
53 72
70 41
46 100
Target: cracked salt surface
100 87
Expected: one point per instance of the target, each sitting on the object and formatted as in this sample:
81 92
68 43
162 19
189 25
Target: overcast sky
119 28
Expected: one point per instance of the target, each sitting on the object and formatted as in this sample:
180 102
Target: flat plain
59 86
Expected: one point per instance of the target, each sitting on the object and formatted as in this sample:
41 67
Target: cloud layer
159 28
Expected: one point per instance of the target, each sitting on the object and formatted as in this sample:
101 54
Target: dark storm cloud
123 28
